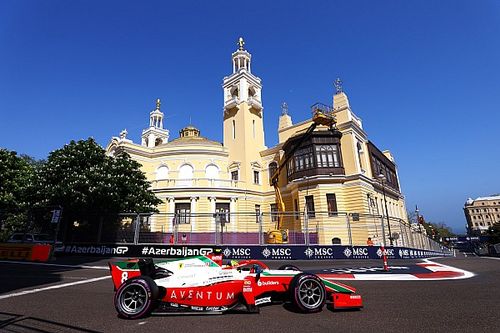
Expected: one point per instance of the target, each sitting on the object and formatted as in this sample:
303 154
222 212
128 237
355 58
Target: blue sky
423 76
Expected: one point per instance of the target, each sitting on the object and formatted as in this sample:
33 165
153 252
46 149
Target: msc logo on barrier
357 253
277 253
319 253
237 253
387 252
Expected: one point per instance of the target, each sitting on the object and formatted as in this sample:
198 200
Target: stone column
193 212
212 211
171 212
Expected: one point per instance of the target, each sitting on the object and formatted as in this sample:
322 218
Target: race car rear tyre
136 297
289 268
307 293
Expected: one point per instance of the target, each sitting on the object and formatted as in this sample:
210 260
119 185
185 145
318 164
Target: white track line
56 265
466 273
57 286
410 277
494 258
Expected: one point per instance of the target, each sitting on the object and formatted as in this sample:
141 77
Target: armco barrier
30 252
265 252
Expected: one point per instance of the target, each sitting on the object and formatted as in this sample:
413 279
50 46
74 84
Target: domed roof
191 135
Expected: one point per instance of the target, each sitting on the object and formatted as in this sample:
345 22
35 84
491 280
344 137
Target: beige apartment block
330 174
482 213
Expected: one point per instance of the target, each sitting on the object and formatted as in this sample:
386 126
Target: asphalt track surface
81 300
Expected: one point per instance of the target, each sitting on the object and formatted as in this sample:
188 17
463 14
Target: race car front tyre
136 297
307 293
289 268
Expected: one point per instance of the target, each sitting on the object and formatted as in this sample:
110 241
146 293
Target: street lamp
382 180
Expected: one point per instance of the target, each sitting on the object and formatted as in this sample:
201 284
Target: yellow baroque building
335 178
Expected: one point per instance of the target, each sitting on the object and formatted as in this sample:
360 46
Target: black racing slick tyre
289 268
307 293
136 297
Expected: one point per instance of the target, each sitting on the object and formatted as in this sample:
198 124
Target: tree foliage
91 186
494 233
17 182
434 230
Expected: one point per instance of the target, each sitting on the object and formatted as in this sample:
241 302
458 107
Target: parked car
30 238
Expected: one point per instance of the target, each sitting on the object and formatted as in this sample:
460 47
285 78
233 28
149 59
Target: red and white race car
202 284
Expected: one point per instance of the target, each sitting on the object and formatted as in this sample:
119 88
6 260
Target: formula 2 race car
202 284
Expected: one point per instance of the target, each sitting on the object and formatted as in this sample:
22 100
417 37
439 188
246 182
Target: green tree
494 233
93 188
17 182
437 230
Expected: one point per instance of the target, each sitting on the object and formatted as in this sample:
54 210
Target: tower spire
241 44
338 86
284 108
155 134
241 58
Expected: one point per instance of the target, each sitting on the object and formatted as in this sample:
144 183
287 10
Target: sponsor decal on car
261 283
263 300
215 308
199 295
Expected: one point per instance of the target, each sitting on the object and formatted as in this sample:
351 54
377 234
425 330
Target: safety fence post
306 227
137 228
349 233
383 229
261 233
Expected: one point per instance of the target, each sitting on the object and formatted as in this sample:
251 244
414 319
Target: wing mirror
257 270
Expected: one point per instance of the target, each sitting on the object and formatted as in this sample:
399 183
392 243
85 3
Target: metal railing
312 228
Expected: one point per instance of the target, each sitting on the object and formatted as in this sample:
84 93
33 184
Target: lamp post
382 180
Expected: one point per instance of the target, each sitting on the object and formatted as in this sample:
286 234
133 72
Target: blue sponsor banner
466 239
316 252
264 252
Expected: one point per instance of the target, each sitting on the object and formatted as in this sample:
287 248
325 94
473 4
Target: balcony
195 182
254 103
232 103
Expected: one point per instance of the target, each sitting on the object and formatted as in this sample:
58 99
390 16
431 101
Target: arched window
162 172
185 175
235 92
327 156
251 91
212 171
360 151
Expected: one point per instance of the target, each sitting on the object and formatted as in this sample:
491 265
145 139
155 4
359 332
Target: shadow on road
20 275
11 322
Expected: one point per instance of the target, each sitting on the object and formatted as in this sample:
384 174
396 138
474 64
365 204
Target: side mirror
257 269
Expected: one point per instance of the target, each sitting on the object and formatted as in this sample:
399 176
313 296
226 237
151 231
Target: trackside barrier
264 252
35 252
250 228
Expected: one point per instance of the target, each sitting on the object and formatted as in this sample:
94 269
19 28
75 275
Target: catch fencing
298 228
